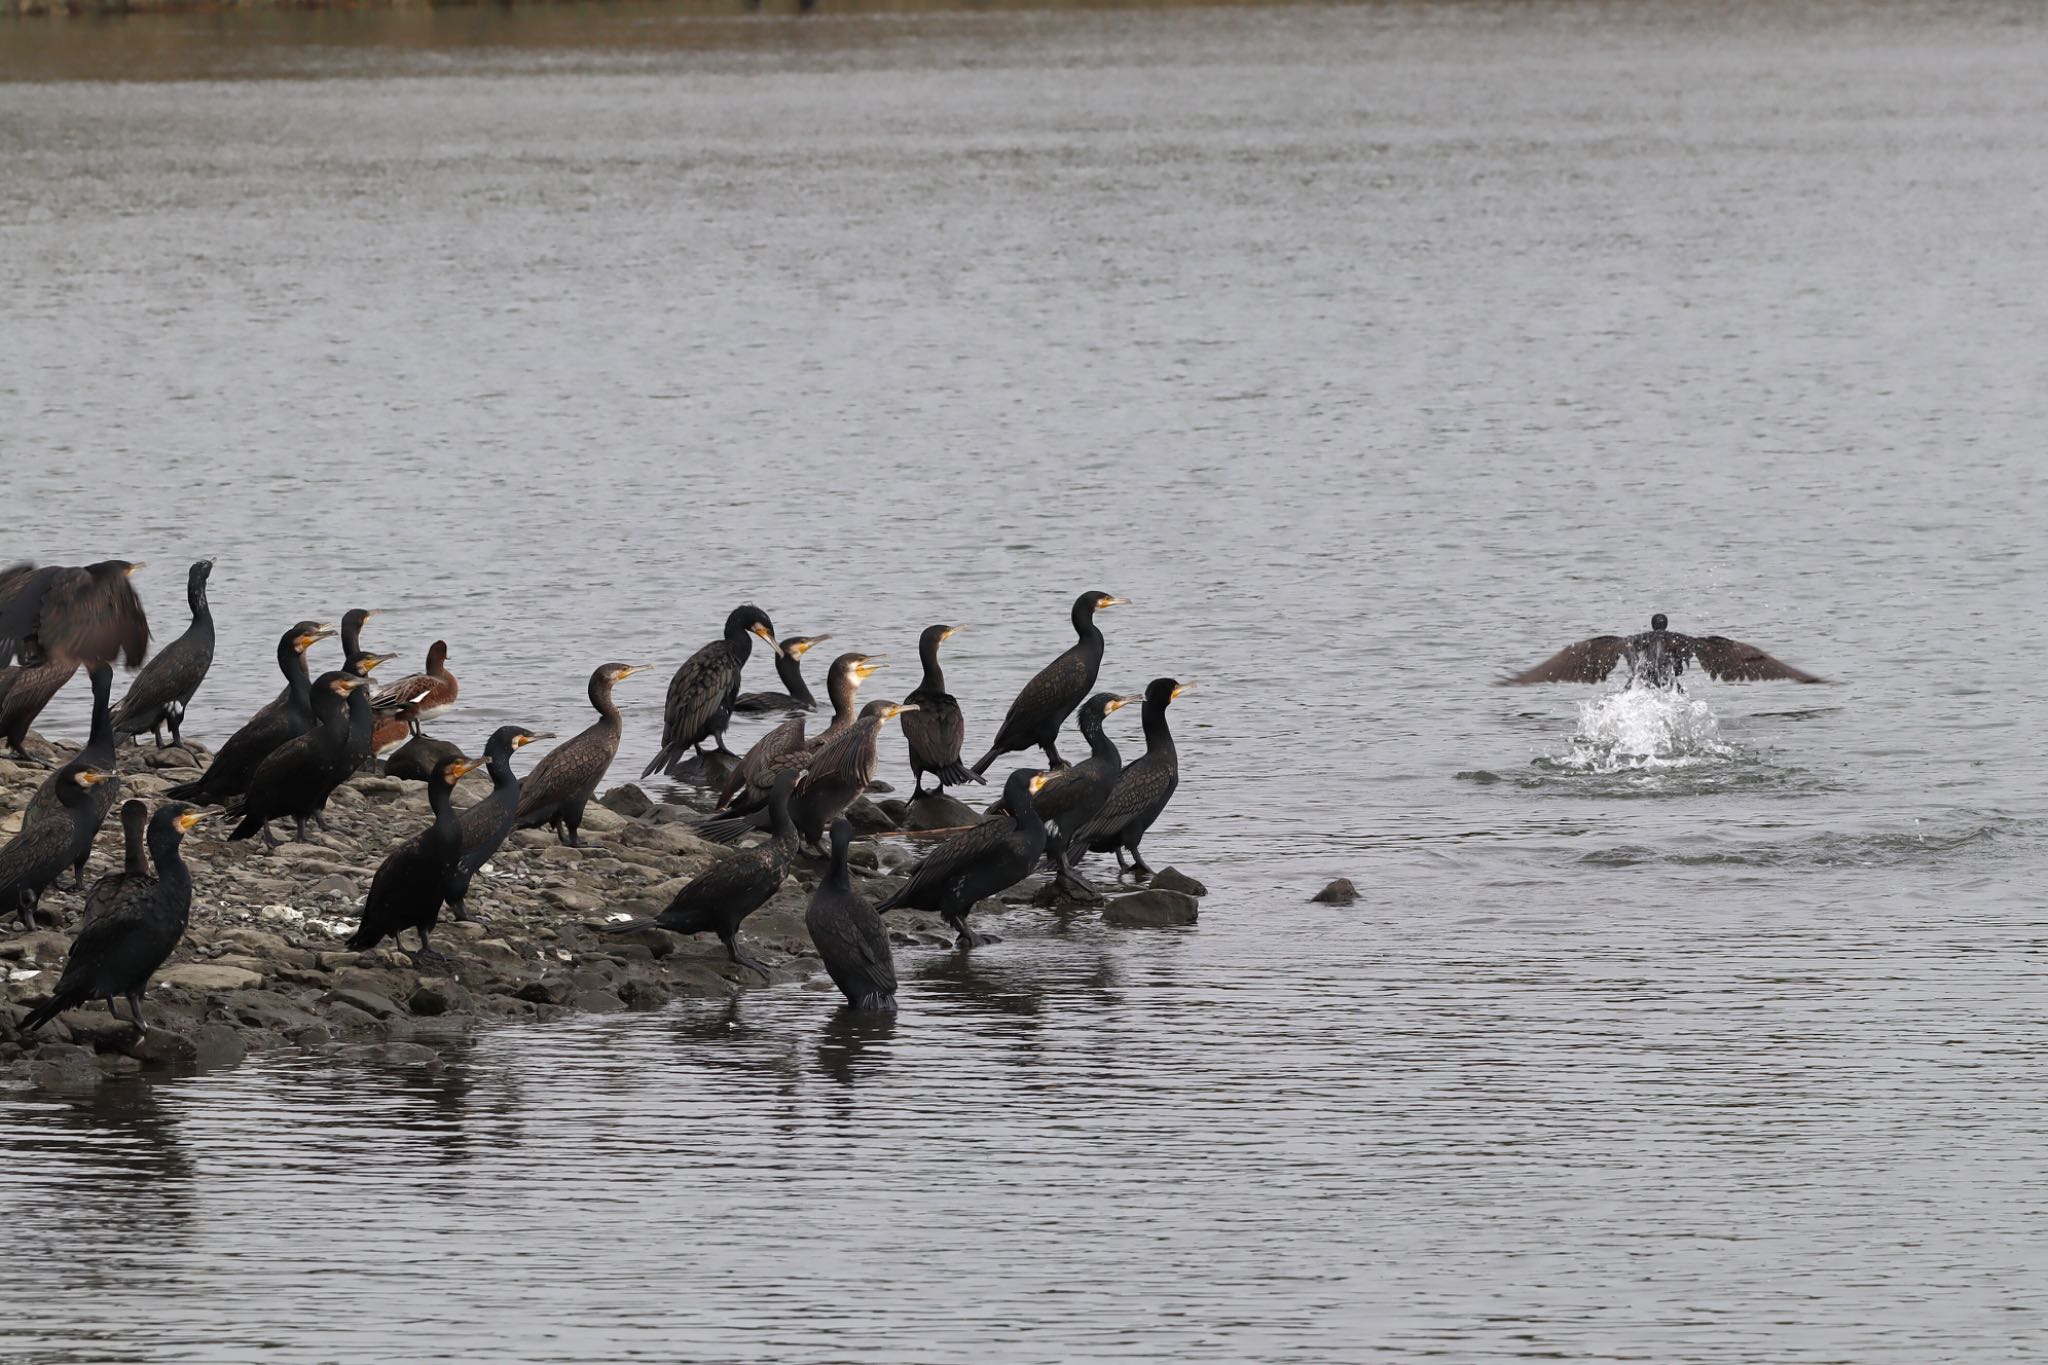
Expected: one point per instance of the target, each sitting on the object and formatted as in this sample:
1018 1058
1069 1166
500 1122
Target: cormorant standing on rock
1073 796
562 783
421 697
935 729
284 718
164 688
1039 711
1656 657
720 897
976 863
98 753
703 690
295 779
76 616
796 693
118 949
409 887
832 777
745 791
485 825
135 862
1143 790
37 855
849 934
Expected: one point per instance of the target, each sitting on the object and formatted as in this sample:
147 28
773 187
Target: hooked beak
138 564
767 635
803 647
348 683
1116 704
901 708
522 741
370 663
1179 688
464 769
951 631
869 666
1112 602
189 819
314 636
628 671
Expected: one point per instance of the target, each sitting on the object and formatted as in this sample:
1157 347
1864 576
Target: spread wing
1733 661
22 587
1588 661
752 774
93 618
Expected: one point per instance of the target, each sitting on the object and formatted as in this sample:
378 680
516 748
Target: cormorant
983 861
118 949
935 728
796 693
702 693
485 825
362 716
1073 796
295 779
38 854
135 861
78 616
352 651
420 696
24 692
562 783
279 720
417 758
412 882
1143 790
163 689
725 893
98 753
746 786
849 934
832 775
1657 656
1039 711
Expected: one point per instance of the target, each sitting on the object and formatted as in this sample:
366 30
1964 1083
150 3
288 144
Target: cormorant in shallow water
72 616
796 693
1143 789
983 861
163 689
1039 711
120 947
412 882
1073 796
849 934
283 718
703 690
935 729
1657 656
562 783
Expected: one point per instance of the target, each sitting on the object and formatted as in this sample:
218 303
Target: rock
406 1054
864 856
601 820
162 1047
91 1027
343 1015
44 945
170 758
936 810
574 899
1173 879
896 810
208 976
335 886
627 800
1339 892
553 990
596 1002
678 839
432 998
1151 909
369 1002
867 817
218 1045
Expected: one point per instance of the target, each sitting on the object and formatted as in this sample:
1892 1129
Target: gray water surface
1374 351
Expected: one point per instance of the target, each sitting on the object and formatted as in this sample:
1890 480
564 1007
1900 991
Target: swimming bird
830 778
1656 657
935 729
165 686
562 783
134 864
118 949
796 693
44 847
79 616
485 825
295 780
420 697
982 861
24 692
277 721
849 934
1073 796
703 690
745 790
1143 789
1039 711
412 881
720 897
98 753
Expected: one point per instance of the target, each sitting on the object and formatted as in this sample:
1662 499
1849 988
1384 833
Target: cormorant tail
625 926
50 1009
364 939
667 760
991 756
729 830
958 774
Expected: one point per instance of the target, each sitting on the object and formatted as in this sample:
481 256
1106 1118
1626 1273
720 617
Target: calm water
1373 351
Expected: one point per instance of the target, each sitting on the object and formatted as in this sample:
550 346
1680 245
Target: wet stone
1339 892
1151 909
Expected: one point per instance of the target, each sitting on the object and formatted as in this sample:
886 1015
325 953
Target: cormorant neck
1084 621
779 823
839 877
102 736
195 596
165 848
137 860
790 668
739 642
440 796
1100 745
296 681
934 676
843 689
501 770
601 698
1025 812
1157 736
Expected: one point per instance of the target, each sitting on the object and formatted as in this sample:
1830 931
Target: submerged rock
1151 909
1173 879
1339 892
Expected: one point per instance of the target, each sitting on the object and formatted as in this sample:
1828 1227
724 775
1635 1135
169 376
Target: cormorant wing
851 757
753 772
1588 661
697 694
1140 784
962 850
1733 661
90 619
22 587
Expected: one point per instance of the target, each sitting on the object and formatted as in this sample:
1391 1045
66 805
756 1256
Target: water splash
1639 728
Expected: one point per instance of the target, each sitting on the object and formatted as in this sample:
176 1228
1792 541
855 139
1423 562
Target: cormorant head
453 769
933 637
887 710
1097 707
796 646
1088 603
90 777
1162 691
506 738
340 684
114 568
842 838
200 571
1657 622
179 816
751 620
858 667
366 664
306 634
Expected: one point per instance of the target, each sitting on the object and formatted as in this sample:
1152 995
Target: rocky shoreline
263 966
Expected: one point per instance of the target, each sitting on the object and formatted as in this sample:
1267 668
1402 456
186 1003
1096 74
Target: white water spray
1645 727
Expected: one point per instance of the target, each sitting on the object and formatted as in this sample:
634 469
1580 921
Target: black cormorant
796 693
832 776
563 782
745 790
935 729
163 689
352 651
98 753
119 948
1657 656
1039 711
983 861
24 692
485 825
295 779
1143 790
702 693
417 758
849 934
279 720
134 863
412 882
1073 796
78 616
43 848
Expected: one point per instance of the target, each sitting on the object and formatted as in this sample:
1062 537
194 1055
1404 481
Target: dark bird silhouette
286 717
165 686
97 754
485 825
43 848
561 784
745 790
1143 790
134 864
1073 796
77 616
417 758
295 780
412 882
796 693
119 948
420 697
352 652
935 729
1656 657
24 692
703 690
849 934
978 862
362 716
720 897
832 777
1039 711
